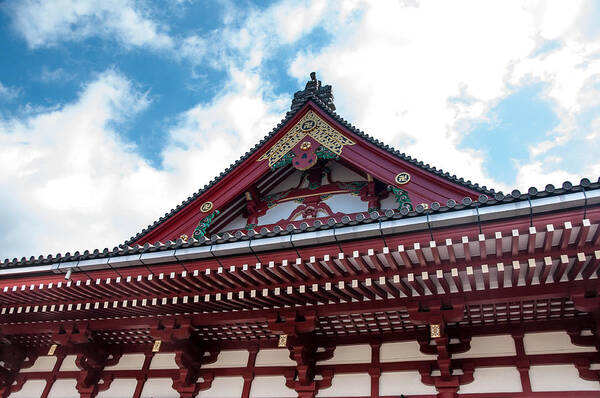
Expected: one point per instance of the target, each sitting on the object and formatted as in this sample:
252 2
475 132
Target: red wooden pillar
143 375
50 380
375 369
522 361
249 375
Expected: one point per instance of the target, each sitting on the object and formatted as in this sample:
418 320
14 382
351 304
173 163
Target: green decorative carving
250 226
204 224
299 200
272 199
324 153
372 209
314 185
402 198
354 187
284 161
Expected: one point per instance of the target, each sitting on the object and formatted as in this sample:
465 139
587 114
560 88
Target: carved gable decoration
309 140
313 169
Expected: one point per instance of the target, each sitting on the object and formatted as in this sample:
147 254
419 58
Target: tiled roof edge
451 205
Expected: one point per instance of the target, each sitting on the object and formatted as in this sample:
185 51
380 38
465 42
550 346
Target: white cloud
48 22
209 137
399 68
67 178
55 75
8 93
69 182
261 32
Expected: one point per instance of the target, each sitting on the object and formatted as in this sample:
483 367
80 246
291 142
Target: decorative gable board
310 137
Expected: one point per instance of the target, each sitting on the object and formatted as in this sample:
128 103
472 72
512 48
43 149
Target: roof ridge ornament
313 88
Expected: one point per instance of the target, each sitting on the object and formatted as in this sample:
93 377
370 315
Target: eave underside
510 277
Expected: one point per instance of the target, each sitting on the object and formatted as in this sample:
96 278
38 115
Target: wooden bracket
299 327
293 322
72 333
190 355
447 386
13 358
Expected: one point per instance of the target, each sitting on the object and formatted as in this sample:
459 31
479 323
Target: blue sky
113 112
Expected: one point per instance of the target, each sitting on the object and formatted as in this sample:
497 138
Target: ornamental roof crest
309 139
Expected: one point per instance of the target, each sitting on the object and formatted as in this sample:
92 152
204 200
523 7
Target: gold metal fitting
206 207
305 146
282 340
52 349
156 346
402 178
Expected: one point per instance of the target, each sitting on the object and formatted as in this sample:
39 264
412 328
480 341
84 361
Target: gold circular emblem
425 205
305 146
308 125
402 178
206 207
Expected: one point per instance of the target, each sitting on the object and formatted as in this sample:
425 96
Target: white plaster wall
559 378
42 364
348 385
346 203
501 379
64 388
224 387
129 362
271 387
31 389
402 351
490 346
341 173
159 388
237 223
408 383
119 388
163 361
230 359
290 182
389 202
277 213
69 363
551 342
274 357
350 354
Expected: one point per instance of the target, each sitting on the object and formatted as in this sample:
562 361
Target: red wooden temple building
323 263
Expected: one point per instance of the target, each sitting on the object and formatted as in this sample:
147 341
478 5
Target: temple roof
320 98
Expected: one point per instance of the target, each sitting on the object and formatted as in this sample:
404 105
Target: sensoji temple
323 263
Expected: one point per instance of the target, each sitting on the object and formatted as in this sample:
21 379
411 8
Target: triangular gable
308 135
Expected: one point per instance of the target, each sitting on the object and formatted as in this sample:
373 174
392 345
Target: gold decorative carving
310 125
206 207
402 178
435 331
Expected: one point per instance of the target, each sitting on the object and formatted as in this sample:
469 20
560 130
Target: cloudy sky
113 112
